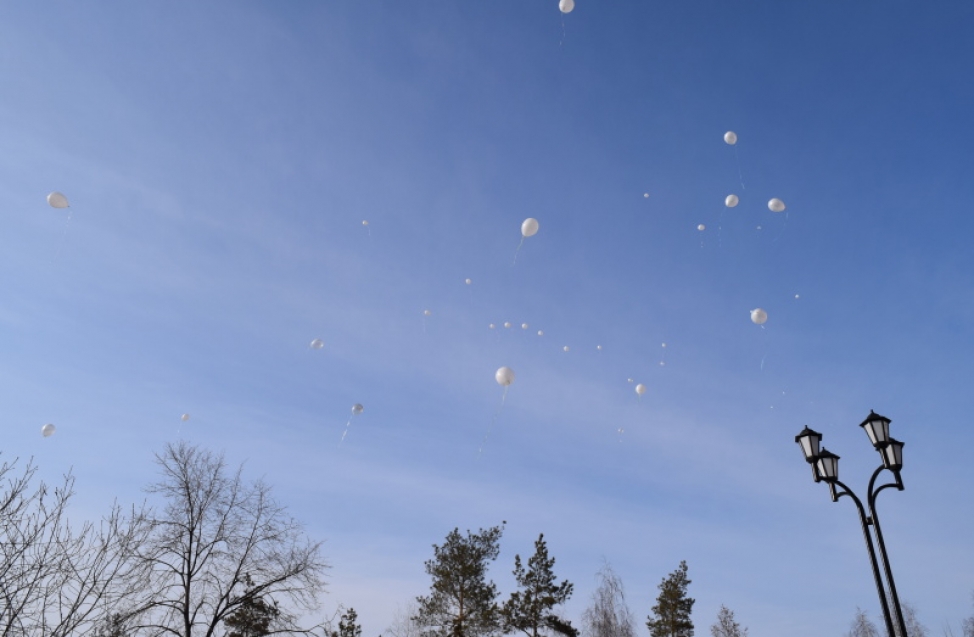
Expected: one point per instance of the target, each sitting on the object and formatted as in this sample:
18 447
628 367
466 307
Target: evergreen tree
671 614
530 609
253 616
462 602
348 625
112 626
726 626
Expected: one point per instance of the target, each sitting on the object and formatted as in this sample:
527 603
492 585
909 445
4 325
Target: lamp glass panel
877 428
893 454
809 446
828 467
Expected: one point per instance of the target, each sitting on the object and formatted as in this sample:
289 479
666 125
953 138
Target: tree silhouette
530 609
462 602
671 614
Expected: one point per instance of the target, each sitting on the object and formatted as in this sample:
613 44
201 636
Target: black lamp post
825 468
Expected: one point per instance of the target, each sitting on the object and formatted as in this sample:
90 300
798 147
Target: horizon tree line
223 558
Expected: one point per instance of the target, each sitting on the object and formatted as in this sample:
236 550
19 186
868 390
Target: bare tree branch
56 581
219 543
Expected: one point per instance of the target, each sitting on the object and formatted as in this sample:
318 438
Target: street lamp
825 468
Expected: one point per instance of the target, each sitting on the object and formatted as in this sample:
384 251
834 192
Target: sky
220 159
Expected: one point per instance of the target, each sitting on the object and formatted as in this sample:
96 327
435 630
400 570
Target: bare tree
862 626
55 580
726 626
968 625
609 615
913 626
403 622
220 544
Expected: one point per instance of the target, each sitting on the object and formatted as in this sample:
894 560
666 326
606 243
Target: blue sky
220 158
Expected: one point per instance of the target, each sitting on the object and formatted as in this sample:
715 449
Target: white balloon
427 313
540 332
524 326
598 347
645 195
730 137
357 408
565 348
640 389
365 223
467 281
507 323
701 227
184 417
776 205
530 227
491 326
316 344
48 430
504 376
57 200
758 316
731 201
566 6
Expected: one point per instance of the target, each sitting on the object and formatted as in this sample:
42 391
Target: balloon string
492 422
720 229
740 174
764 339
783 227
348 423
64 234
516 252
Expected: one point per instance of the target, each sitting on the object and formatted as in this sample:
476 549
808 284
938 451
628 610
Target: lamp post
825 468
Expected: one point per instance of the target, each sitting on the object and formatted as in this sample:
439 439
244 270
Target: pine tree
253 616
671 614
530 609
113 626
726 626
348 625
462 602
